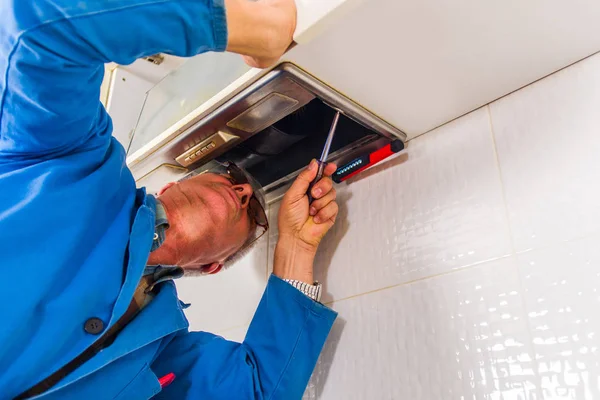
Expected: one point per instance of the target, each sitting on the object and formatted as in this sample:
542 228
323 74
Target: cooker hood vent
284 147
273 129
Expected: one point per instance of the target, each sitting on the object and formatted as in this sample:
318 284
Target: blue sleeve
275 360
52 54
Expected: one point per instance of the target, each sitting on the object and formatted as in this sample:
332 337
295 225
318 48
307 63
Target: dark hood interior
289 144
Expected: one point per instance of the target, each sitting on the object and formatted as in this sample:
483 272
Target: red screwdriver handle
358 165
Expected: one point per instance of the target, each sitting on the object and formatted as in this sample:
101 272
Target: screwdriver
324 155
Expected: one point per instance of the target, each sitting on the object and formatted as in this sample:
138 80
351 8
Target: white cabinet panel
313 16
126 95
418 64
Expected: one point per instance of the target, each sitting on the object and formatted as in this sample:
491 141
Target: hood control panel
204 148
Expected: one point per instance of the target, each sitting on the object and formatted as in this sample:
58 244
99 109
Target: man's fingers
300 185
327 213
322 187
329 169
317 205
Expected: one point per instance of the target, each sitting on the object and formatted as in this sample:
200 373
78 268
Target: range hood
273 128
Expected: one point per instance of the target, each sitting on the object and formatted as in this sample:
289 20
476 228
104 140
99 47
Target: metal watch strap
313 291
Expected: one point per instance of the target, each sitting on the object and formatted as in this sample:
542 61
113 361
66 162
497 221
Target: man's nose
244 193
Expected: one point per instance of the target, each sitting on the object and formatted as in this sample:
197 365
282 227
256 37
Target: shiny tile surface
548 145
459 336
562 293
434 208
228 299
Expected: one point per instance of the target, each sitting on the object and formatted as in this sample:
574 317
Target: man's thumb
300 185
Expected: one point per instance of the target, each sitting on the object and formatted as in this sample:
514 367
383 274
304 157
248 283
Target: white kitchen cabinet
208 80
124 88
416 65
419 64
314 16
183 91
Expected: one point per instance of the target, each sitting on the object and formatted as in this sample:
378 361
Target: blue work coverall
75 233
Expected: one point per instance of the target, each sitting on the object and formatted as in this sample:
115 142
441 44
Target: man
87 310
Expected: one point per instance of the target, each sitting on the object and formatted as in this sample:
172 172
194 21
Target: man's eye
229 178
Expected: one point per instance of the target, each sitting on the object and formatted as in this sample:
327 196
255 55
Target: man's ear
213 268
166 187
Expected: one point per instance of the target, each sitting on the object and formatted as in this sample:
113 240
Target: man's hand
260 30
308 224
302 226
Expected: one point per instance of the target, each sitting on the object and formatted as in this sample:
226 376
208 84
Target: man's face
210 216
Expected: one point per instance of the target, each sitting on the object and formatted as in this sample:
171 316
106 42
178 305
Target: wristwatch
313 291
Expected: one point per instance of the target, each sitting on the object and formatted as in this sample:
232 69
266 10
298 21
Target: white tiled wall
459 335
548 143
467 267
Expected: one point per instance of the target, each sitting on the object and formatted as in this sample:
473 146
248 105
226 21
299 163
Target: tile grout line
501 178
538 379
559 242
452 271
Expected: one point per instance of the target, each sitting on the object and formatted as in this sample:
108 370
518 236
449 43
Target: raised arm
52 54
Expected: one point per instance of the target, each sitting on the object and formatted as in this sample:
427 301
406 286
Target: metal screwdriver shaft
322 161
